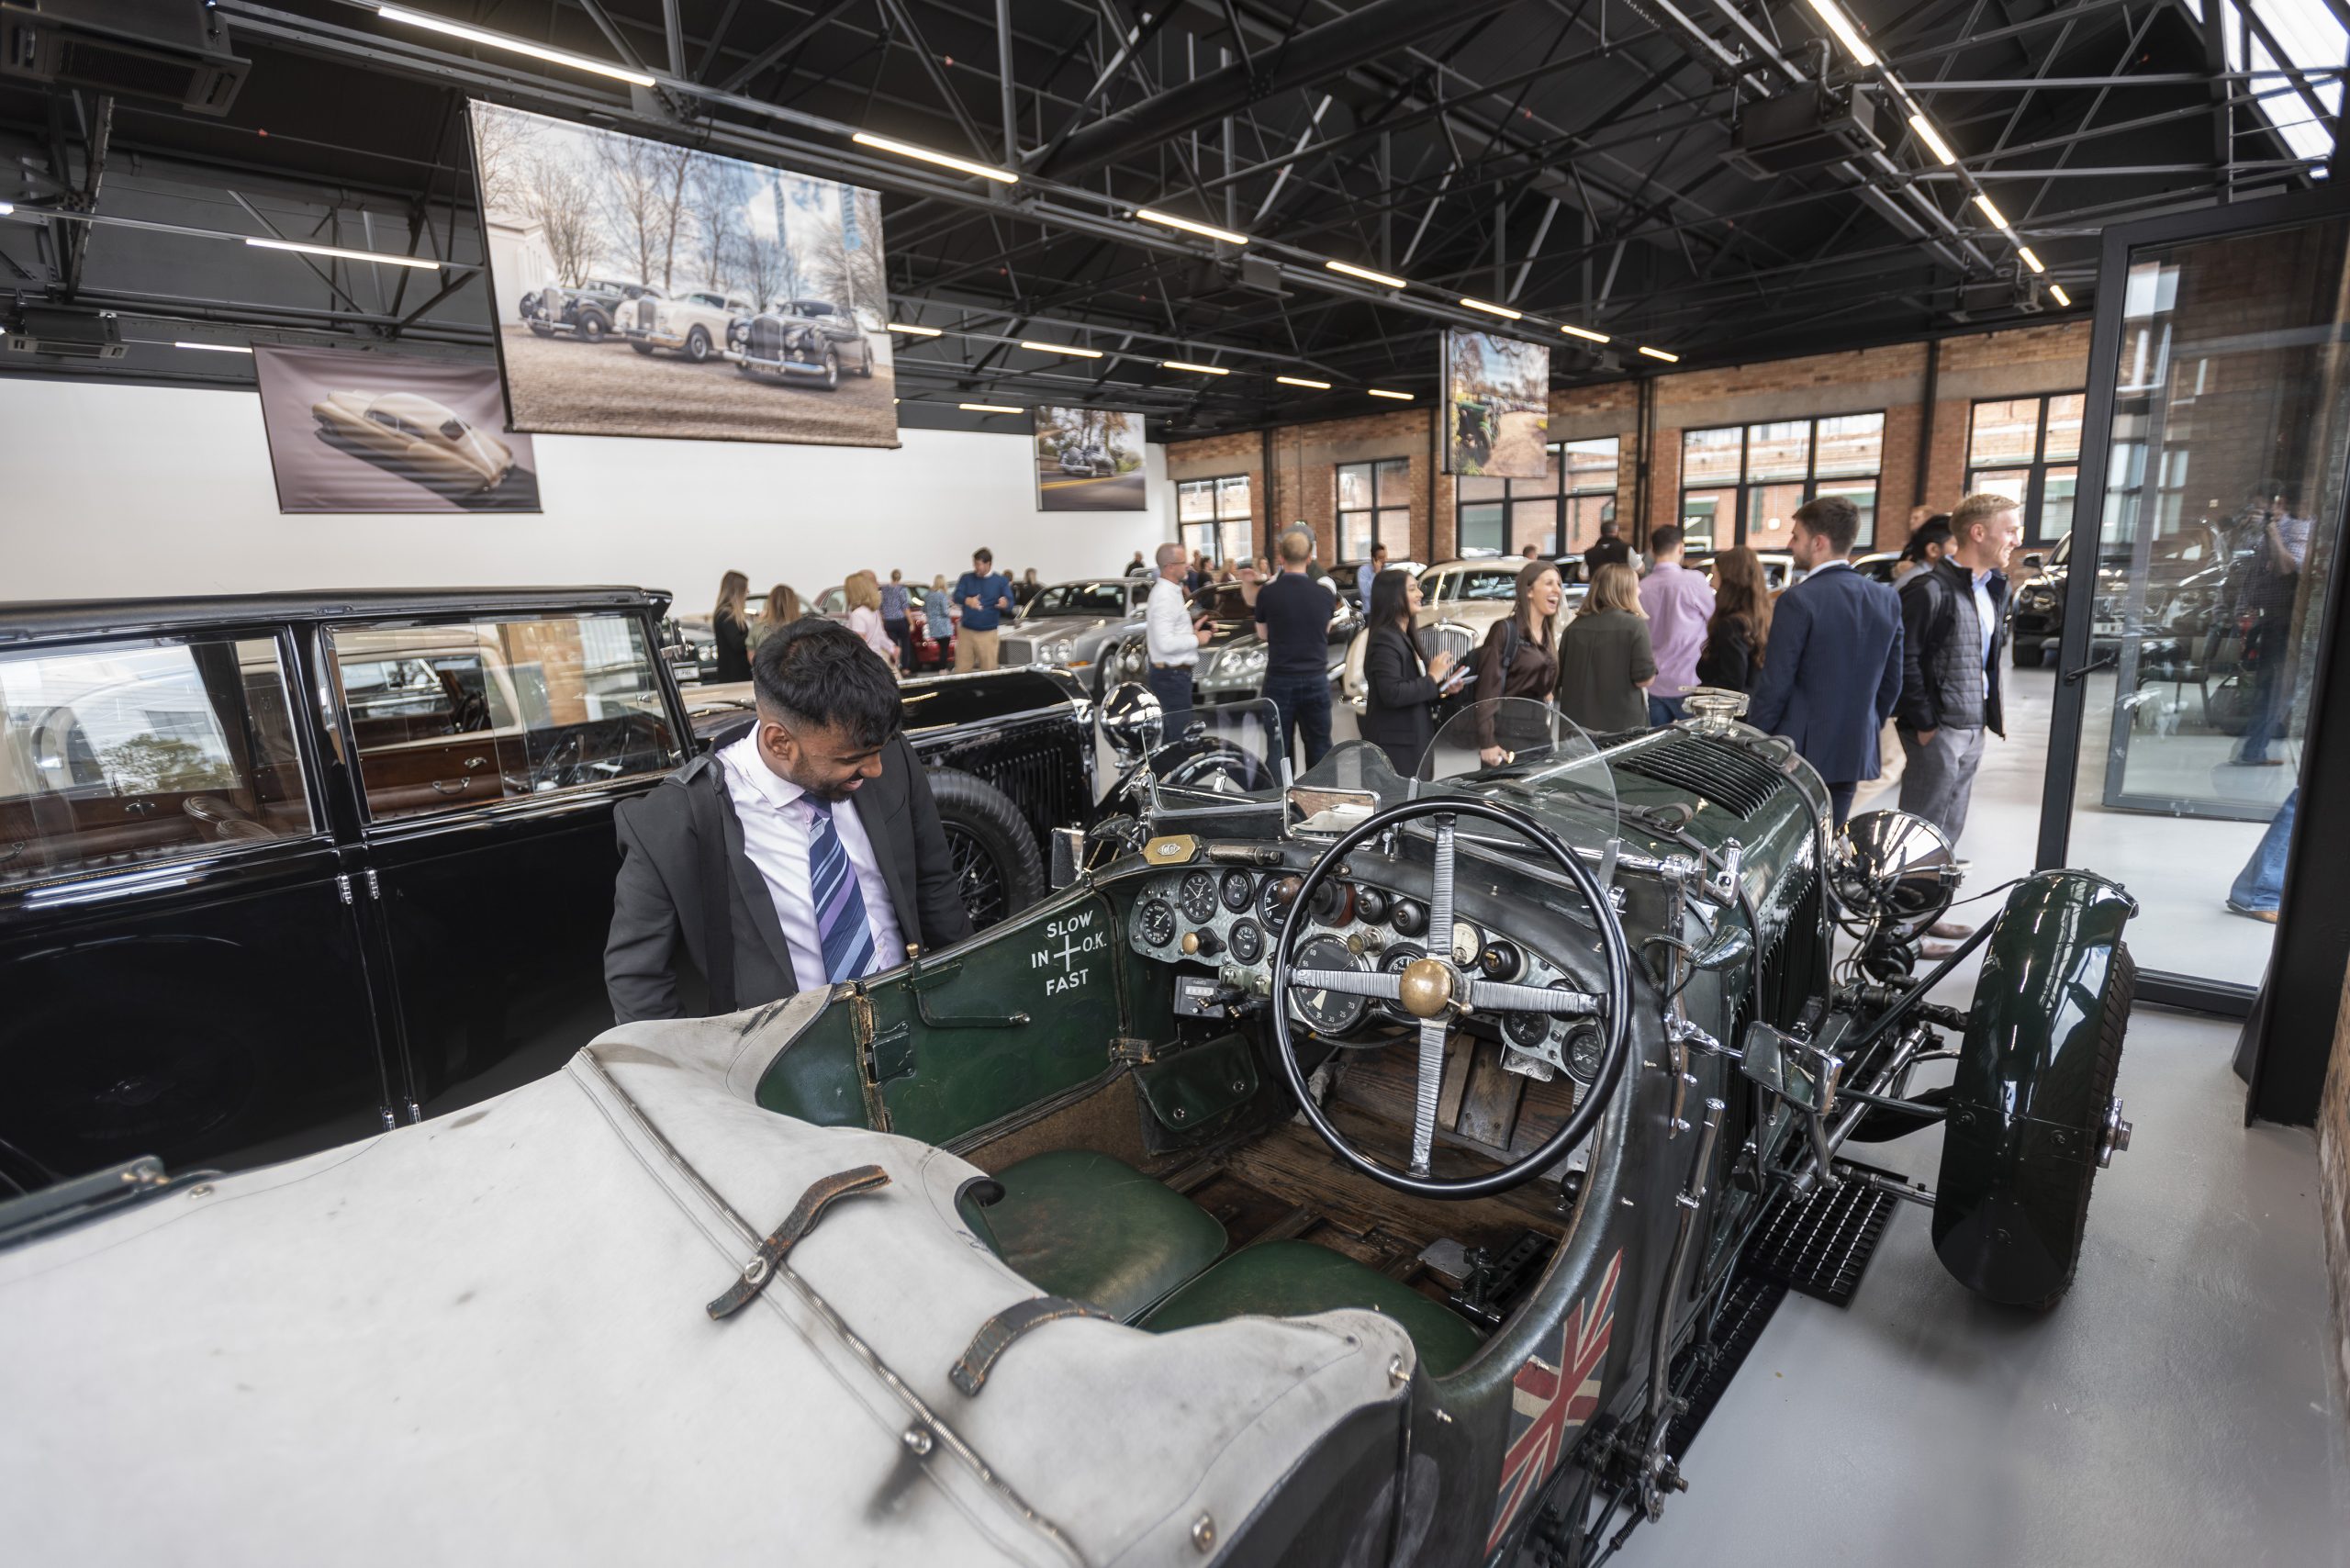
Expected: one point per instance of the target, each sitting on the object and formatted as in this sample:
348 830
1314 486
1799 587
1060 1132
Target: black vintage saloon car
281 870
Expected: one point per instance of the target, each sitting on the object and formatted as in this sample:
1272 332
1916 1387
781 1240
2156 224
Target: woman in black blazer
1398 717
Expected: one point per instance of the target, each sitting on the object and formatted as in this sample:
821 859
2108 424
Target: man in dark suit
799 852
1834 672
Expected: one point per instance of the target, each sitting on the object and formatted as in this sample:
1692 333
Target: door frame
2194 993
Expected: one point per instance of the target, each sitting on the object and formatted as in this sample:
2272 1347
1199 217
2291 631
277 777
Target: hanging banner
377 432
1496 406
1089 460
643 288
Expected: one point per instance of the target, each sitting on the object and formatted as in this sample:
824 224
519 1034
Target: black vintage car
590 312
805 340
280 870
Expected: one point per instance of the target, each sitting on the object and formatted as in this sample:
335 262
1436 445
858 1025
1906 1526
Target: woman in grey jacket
1605 659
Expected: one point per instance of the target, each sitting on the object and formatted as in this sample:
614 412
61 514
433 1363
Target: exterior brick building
1925 391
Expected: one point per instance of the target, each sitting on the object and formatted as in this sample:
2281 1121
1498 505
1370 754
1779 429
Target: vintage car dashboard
1227 919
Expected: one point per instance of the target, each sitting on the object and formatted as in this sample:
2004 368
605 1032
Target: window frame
1743 484
1561 493
2035 493
311 759
1379 505
567 797
1217 518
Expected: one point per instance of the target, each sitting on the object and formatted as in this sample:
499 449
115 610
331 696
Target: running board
1820 1244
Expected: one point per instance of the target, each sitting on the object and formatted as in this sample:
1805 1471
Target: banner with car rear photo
642 288
1496 406
385 432
1089 460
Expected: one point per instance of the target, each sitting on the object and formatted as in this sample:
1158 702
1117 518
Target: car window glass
462 714
126 752
453 429
1084 599
1487 586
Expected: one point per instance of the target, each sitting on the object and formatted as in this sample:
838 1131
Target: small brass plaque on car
1172 850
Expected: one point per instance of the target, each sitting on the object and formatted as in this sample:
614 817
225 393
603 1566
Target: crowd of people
969 612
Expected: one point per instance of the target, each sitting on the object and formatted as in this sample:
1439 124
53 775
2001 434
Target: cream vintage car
1460 602
415 434
694 321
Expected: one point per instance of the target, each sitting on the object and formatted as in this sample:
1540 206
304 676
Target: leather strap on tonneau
996 1335
802 1219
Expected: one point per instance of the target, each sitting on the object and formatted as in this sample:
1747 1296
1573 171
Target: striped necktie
841 928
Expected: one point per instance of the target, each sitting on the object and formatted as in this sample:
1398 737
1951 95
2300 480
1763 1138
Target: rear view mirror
1067 846
2034 559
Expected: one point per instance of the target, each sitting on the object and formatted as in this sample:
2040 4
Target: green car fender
2028 1108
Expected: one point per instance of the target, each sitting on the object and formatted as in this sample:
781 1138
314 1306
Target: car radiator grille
1015 651
766 338
1040 766
645 315
1723 775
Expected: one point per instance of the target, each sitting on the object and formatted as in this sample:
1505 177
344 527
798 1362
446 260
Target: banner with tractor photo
1496 406
1089 460
648 289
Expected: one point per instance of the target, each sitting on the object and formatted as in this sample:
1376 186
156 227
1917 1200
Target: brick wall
1993 364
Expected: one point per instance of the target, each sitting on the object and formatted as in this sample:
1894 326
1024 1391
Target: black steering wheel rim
1614 948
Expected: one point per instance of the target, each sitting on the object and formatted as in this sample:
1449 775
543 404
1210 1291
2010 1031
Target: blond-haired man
1953 616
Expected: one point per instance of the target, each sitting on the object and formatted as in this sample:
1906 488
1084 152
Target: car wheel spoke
1352 982
1495 996
1424 1092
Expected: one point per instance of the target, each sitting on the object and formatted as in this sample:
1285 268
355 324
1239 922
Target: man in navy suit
1834 672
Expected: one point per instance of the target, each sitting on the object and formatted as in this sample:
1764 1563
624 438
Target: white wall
115 491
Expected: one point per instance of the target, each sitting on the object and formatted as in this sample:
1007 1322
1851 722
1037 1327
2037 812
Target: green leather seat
1084 1226
1292 1279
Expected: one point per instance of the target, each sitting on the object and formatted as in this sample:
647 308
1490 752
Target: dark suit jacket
1398 716
1833 673
658 903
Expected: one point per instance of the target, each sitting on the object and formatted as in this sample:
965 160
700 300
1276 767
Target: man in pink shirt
1679 602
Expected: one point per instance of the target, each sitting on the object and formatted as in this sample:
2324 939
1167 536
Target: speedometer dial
1327 1012
1157 923
1198 897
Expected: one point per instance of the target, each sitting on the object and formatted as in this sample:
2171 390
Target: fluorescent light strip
988 408
516 46
945 160
1504 311
347 255
2028 259
1199 369
1365 274
1586 336
1659 353
1997 219
1302 381
1932 139
1842 26
2057 292
6 208
917 331
1382 392
1060 348
214 347
1171 221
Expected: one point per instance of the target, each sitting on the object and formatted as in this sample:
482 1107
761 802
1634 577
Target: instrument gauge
1274 898
1327 1012
1158 922
1584 1053
1248 941
1198 897
1466 943
1527 1031
1399 957
1237 889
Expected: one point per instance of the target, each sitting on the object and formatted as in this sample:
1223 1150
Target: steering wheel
1434 988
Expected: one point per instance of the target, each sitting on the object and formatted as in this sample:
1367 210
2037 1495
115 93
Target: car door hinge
343 886
374 887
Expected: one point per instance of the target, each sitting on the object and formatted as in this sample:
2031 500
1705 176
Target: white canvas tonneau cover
483 1340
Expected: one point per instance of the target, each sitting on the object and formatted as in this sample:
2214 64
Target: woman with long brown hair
730 621
1740 631
781 608
1519 659
1605 660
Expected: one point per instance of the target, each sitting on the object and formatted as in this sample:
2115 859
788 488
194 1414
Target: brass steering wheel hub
1426 988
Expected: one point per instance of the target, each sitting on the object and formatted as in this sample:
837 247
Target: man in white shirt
1174 639
803 853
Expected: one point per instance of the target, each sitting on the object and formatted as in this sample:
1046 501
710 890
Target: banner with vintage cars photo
642 288
376 432
1089 460
1497 406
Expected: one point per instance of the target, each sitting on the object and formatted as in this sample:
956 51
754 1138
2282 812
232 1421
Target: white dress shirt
775 835
1167 626
1988 623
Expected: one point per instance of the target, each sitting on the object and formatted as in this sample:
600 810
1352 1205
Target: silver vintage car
1076 625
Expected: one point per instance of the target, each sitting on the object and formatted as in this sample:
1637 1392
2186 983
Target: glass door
2215 433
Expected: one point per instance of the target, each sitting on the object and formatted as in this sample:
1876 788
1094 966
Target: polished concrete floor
2175 1411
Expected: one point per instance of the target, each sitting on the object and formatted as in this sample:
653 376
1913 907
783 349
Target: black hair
817 672
1934 530
1832 518
984 554
1664 537
1389 593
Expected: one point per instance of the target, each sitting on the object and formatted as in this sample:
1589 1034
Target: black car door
179 946
491 751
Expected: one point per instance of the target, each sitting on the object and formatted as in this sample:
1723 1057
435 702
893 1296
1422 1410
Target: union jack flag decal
1548 1402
